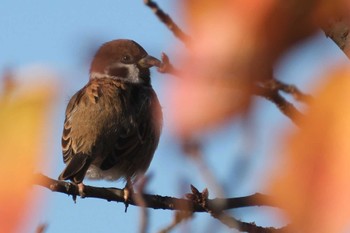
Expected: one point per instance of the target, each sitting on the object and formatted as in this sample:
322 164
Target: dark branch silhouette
201 198
278 85
287 108
196 202
269 90
152 201
167 20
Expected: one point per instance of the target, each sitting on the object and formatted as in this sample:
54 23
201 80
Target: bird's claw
81 190
128 191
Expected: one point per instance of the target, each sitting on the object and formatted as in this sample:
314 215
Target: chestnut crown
124 59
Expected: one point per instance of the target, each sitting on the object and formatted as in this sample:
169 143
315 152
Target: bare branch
283 105
232 222
167 20
179 217
338 30
141 202
278 85
202 199
8 83
41 228
166 67
153 201
193 148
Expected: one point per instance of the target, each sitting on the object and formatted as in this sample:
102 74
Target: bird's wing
76 148
67 127
134 147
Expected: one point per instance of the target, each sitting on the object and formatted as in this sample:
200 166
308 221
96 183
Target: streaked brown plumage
113 124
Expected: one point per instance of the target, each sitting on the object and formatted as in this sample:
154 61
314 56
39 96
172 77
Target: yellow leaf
23 117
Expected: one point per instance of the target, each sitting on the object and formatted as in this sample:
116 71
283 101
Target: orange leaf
314 185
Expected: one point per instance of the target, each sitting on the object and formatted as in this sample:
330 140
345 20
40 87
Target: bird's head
123 59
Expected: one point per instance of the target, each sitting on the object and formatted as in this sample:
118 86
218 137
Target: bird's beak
149 61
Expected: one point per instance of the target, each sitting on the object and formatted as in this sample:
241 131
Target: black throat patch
121 72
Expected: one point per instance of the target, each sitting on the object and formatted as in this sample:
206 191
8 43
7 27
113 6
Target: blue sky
62 36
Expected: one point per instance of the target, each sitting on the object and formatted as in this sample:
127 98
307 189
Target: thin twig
193 148
141 202
298 95
179 217
41 228
167 20
232 222
202 199
152 201
283 105
166 67
8 83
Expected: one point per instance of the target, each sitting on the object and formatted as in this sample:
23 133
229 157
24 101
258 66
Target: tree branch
232 222
197 202
179 217
278 85
166 67
338 30
167 20
152 201
201 198
283 105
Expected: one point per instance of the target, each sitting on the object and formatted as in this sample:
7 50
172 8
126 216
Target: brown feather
112 124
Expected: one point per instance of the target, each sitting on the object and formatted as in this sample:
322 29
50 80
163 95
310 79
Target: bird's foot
128 192
81 190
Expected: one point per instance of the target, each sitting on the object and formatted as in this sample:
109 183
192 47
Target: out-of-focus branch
283 105
278 85
166 67
194 150
7 80
268 89
152 201
338 30
179 217
41 228
141 202
168 21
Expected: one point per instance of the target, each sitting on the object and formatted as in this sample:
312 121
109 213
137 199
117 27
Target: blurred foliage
313 185
23 129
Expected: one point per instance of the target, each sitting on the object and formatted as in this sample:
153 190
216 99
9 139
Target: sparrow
113 124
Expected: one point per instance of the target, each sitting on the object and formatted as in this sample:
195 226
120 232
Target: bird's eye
126 59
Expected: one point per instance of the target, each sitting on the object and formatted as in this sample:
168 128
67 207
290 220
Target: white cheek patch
132 76
134 73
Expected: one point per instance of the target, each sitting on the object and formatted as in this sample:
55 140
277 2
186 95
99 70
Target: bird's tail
76 168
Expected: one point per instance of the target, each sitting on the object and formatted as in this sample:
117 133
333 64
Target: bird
113 124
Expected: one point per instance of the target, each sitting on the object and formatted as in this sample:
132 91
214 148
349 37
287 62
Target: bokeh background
49 45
